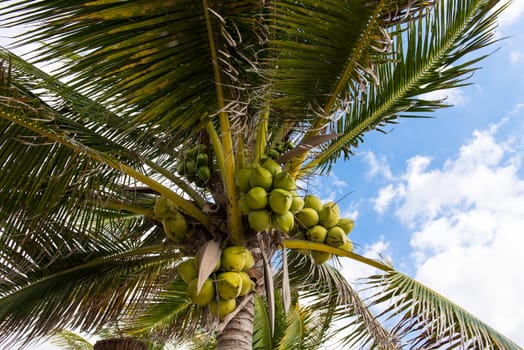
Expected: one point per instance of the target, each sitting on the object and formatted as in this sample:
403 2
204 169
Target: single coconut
320 257
329 215
234 258
261 177
308 217
259 220
207 293
346 225
250 259
272 166
247 284
242 179
201 159
164 208
175 228
222 307
188 270
256 198
285 222
285 181
204 173
317 234
347 246
335 236
312 201
280 201
297 204
229 285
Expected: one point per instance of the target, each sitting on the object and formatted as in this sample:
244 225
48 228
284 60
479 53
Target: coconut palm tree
179 130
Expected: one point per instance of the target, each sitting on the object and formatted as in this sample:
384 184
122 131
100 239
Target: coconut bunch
279 149
174 223
195 165
321 223
229 281
268 196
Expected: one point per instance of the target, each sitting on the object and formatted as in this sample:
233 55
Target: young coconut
164 208
280 201
222 307
329 215
188 270
285 222
207 293
285 181
247 284
234 258
346 225
308 217
335 236
261 177
256 198
320 257
272 166
242 179
312 201
229 285
259 220
317 234
297 204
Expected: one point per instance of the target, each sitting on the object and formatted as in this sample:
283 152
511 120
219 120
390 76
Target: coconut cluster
321 223
195 165
268 196
279 149
228 282
174 223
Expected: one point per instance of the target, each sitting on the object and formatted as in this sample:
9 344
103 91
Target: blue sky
443 198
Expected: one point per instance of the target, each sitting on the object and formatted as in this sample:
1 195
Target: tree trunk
238 334
120 344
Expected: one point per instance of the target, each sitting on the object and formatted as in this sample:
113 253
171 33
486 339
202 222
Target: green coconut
285 222
201 159
234 258
206 295
320 257
242 179
272 166
164 208
244 209
280 201
297 204
191 166
222 307
247 284
335 236
317 234
175 228
285 181
312 201
259 220
204 173
261 177
256 198
273 153
229 285
347 246
250 260
308 217
188 270
329 215
346 225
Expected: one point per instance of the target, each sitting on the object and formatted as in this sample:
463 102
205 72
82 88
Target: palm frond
424 62
424 319
68 340
80 283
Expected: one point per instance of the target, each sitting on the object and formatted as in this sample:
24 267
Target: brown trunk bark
120 344
238 334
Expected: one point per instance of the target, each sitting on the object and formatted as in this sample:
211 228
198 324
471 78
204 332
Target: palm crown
166 104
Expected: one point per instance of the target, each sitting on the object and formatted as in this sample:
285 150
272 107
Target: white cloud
512 14
385 196
453 96
378 165
467 217
515 57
